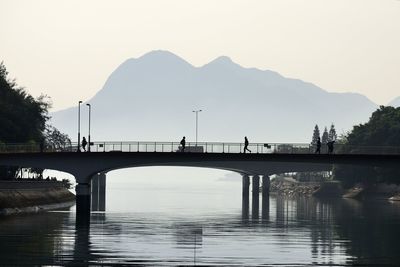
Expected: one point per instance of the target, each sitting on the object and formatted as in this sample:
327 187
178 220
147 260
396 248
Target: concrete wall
30 184
33 198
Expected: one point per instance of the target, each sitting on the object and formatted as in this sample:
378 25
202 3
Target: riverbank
33 196
290 187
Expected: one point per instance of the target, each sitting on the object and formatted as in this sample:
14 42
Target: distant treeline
382 130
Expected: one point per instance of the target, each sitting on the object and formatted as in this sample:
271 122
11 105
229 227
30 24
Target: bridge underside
84 165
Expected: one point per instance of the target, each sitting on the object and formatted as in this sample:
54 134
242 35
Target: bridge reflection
52 238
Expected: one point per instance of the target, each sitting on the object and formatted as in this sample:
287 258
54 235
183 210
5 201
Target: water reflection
33 239
245 209
302 231
255 208
265 209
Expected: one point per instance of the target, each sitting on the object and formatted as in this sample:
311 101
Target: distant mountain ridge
152 98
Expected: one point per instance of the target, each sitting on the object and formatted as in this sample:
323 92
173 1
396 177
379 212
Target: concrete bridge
266 159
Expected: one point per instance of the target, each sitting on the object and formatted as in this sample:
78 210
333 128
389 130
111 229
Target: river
175 219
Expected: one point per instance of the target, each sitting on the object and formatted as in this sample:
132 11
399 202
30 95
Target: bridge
266 159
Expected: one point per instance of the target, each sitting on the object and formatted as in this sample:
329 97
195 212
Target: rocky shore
291 187
26 196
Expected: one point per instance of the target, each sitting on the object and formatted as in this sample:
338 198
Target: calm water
203 221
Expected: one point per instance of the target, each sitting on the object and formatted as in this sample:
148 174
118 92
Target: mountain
395 102
152 98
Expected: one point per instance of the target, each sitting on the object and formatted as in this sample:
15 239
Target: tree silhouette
316 135
382 129
22 117
325 136
332 133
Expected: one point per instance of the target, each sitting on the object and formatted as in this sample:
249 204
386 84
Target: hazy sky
67 49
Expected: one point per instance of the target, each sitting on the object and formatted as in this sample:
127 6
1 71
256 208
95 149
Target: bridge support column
102 191
83 202
265 198
95 193
99 192
265 186
255 206
245 185
256 186
245 198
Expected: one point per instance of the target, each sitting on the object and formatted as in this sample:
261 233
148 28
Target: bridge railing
201 147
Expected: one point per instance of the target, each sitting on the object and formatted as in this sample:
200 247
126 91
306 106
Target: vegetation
332 136
382 129
316 135
325 136
23 119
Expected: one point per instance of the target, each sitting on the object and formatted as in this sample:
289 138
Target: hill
152 98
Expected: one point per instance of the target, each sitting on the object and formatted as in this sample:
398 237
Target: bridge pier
102 191
245 198
265 198
255 206
265 186
99 192
245 185
256 186
83 202
95 193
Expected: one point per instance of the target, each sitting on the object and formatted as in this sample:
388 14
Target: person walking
183 144
330 146
246 144
84 143
318 150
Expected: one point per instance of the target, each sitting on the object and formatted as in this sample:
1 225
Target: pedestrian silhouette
246 144
84 143
318 150
183 144
330 146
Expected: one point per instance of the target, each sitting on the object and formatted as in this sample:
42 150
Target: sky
67 49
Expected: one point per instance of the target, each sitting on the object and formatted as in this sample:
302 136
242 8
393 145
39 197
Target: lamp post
197 121
79 126
90 110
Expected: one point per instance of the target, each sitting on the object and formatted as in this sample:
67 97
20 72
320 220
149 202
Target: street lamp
90 110
79 126
197 121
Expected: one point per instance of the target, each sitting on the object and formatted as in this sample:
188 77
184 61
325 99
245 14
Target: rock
395 197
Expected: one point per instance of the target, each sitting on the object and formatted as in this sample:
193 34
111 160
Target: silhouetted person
246 144
183 144
330 147
84 143
318 150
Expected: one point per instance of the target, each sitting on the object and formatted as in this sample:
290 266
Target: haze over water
155 219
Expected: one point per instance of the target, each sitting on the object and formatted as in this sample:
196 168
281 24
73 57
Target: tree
316 135
332 133
23 118
382 129
55 140
325 136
